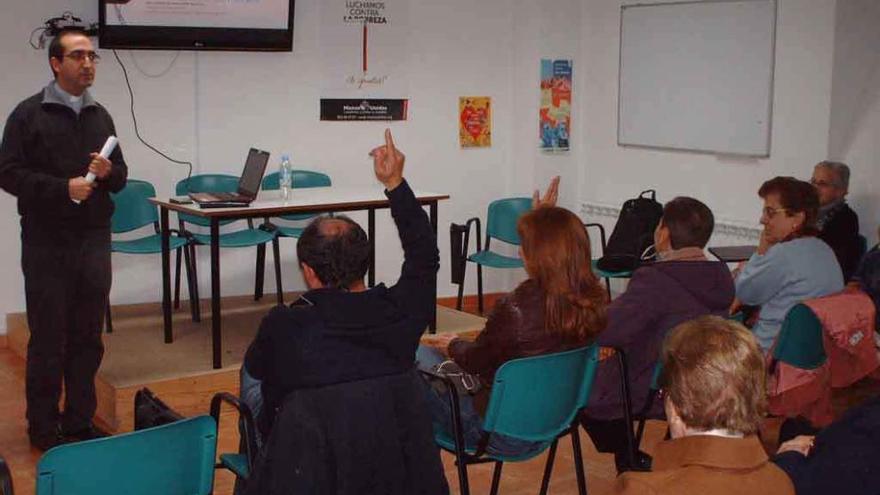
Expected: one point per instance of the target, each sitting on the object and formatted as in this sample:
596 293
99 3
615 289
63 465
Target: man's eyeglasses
81 55
768 212
822 183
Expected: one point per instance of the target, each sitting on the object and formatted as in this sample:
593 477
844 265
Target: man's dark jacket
845 457
659 297
339 336
45 144
841 233
371 436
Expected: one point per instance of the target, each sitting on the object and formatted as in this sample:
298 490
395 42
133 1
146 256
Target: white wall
855 105
210 107
802 98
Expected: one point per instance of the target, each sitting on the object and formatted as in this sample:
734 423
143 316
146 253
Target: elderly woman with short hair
791 264
715 398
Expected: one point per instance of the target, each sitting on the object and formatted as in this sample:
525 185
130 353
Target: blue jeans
251 394
428 358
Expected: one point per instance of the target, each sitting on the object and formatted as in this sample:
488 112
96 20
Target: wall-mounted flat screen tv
196 24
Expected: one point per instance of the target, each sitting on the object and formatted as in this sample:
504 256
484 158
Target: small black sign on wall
338 110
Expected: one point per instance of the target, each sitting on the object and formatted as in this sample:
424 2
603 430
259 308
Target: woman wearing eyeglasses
791 263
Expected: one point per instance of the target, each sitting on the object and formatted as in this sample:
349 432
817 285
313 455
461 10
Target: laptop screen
252 176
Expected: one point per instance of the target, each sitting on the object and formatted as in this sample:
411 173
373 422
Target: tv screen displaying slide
196 24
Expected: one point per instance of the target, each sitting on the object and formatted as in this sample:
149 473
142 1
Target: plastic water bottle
285 177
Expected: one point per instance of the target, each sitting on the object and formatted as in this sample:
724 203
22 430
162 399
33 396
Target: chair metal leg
177 280
260 272
109 323
192 285
276 253
548 467
480 288
496 478
195 272
461 289
578 459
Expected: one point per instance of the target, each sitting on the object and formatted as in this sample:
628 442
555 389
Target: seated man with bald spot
341 331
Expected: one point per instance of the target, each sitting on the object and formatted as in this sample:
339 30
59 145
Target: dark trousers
66 289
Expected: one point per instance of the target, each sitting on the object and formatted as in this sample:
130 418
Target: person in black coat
838 224
843 458
50 143
343 334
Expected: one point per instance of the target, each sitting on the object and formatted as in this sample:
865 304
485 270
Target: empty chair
173 459
300 179
501 219
249 237
134 211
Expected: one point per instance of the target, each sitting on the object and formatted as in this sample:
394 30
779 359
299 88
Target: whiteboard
697 76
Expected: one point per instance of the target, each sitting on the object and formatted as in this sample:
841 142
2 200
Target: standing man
50 142
838 224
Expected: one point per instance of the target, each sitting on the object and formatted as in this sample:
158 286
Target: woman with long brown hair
560 306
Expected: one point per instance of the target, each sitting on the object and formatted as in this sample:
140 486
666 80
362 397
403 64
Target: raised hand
388 163
550 196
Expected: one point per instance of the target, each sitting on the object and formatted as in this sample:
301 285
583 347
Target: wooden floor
517 478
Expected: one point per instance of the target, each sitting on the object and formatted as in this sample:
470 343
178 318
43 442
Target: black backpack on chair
633 233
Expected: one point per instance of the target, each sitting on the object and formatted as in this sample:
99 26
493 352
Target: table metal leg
216 337
432 326
166 275
371 233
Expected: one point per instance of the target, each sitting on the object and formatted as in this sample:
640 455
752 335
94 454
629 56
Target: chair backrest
173 459
536 398
863 246
205 183
799 342
133 210
364 436
502 217
302 179
6 487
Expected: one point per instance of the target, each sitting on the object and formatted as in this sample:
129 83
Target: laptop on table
248 185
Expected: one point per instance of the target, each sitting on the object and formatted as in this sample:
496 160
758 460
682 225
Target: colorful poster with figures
555 104
475 121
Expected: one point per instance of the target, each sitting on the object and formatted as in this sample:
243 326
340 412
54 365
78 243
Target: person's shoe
48 441
90 432
642 462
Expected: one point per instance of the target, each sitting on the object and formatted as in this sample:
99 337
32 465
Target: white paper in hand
109 146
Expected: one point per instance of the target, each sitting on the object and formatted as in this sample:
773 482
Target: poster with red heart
475 121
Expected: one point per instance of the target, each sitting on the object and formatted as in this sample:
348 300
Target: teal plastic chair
501 219
173 459
241 464
653 393
800 341
535 399
134 211
598 271
863 246
301 179
249 237
6 487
